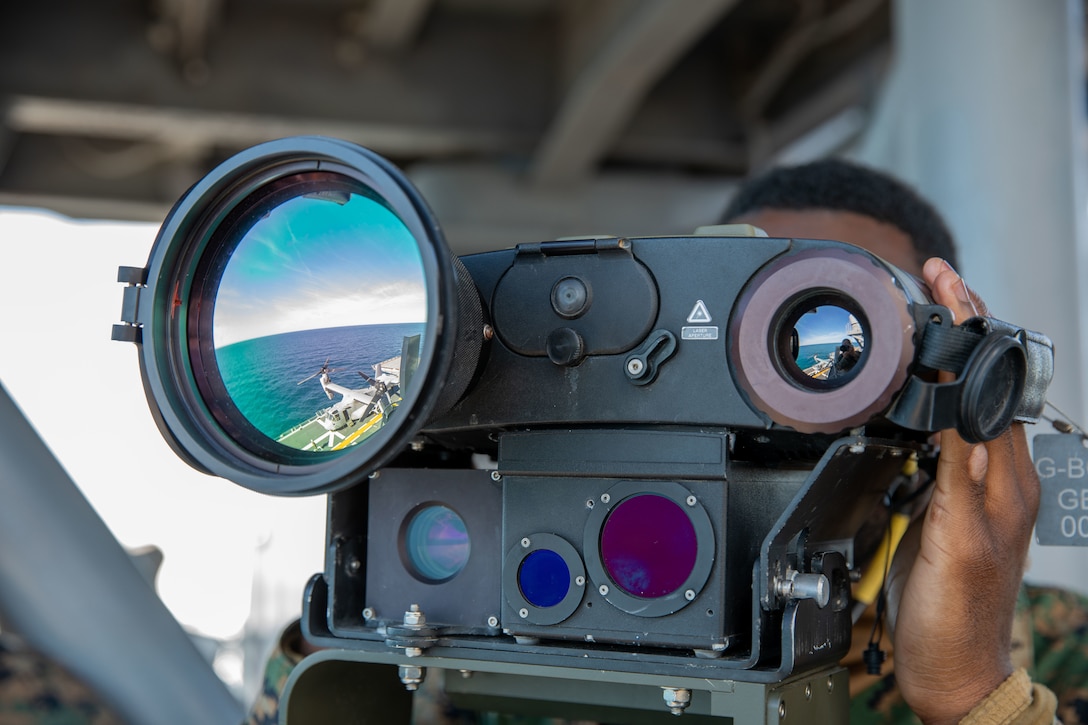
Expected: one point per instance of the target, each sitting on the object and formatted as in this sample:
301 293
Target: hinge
136 280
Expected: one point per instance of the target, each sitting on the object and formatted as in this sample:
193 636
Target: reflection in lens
314 311
830 341
436 544
648 546
544 578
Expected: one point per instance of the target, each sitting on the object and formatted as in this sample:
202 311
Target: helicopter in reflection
358 414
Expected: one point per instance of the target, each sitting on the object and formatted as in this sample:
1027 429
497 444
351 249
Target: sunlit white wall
82 392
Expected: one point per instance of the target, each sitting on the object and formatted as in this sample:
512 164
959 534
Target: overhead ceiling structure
113 108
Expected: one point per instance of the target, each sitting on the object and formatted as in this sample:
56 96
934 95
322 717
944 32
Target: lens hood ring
861 282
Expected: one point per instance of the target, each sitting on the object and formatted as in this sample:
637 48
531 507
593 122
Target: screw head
496 476
603 589
525 543
492 621
523 612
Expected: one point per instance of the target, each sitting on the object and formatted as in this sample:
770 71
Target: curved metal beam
643 39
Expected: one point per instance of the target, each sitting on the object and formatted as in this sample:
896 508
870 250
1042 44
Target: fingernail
964 296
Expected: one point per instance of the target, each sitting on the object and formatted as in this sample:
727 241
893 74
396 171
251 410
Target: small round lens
825 346
648 546
570 297
436 544
544 578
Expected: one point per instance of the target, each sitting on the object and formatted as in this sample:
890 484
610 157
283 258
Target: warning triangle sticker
699 314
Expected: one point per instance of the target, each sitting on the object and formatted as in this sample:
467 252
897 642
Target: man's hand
953 586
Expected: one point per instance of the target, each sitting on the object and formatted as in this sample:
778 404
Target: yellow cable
868 587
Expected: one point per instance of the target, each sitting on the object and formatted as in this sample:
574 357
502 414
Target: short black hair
842 185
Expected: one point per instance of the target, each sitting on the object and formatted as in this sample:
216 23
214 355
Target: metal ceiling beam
189 128
392 25
641 40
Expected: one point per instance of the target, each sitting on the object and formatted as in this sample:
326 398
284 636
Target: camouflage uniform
1050 642
35 691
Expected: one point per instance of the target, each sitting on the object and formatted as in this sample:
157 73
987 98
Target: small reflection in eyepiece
829 342
323 299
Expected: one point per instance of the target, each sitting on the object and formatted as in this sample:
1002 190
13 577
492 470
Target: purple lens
648 546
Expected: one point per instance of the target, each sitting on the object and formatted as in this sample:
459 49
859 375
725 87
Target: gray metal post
70 590
985 114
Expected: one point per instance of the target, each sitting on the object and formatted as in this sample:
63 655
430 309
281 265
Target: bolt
525 543
489 332
496 476
414 617
691 500
465 674
523 613
589 503
416 445
412 676
603 589
830 684
605 498
808 691
676 699
412 651
368 614
492 621
781 710
355 565
580 581
635 367
689 594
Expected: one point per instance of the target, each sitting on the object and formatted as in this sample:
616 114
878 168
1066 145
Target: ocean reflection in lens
829 342
319 318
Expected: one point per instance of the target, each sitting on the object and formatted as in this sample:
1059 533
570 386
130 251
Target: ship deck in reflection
358 414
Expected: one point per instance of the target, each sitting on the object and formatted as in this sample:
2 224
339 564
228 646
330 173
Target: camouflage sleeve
284 657
36 691
1060 624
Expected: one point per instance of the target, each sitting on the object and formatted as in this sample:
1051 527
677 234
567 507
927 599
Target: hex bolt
414 617
412 676
676 699
413 651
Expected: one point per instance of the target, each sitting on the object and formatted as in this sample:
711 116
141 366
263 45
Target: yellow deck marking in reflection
347 441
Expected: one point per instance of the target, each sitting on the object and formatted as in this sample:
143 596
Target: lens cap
993 383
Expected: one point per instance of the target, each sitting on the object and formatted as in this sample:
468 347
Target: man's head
847 202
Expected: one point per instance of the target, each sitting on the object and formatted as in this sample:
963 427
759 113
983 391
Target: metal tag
1062 464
